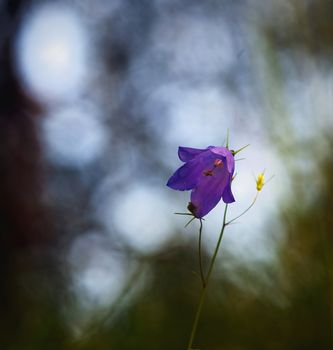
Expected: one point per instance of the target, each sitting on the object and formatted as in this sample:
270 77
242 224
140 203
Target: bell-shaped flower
208 173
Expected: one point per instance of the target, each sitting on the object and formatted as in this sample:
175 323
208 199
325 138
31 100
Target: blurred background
95 98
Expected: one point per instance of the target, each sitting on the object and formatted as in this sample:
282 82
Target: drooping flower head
208 173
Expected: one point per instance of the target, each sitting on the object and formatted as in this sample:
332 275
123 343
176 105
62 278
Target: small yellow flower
260 181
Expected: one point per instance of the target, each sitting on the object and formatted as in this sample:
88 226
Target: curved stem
204 286
245 211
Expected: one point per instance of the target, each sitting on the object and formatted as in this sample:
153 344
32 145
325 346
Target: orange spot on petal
218 163
208 172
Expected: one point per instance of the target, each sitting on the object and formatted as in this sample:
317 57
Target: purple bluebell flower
208 173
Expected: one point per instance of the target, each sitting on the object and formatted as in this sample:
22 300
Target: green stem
197 316
200 256
204 286
245 211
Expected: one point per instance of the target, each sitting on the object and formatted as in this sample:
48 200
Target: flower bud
260 181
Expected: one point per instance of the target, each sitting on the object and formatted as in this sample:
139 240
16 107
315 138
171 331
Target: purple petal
227 195
187 153
224 152
186 177
209 191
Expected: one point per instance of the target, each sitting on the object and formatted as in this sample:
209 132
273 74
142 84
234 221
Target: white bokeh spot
142 215
98 275
52 52
74 136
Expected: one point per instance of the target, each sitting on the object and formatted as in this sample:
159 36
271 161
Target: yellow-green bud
260 181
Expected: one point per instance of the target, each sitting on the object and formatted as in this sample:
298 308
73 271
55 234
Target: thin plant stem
184 214
241 149
197 316
189 221
246 210
200 256
204 286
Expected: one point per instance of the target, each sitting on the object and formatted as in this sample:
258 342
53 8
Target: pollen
260 181
218 163
208 172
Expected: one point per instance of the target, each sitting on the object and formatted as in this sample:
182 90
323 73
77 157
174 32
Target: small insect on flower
208 173
260 181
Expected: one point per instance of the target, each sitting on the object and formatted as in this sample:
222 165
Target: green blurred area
286 303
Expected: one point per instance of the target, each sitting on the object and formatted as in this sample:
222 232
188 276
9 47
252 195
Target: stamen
218 163
208 172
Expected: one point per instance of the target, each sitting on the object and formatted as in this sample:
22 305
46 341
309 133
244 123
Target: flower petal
186 177
227 195
209 191
187 153
224 152
183 179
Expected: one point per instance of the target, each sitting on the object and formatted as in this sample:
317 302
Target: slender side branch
189 221
245 211
190 214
